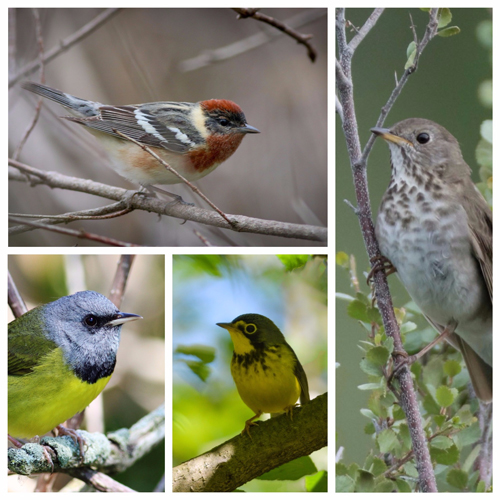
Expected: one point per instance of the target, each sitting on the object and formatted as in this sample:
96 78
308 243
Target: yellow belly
43 399
267 386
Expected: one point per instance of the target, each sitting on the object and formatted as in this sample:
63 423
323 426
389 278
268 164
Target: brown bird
436 229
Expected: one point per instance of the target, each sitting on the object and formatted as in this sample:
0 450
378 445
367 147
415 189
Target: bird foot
380 263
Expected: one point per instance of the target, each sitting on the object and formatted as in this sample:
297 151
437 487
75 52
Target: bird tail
77 106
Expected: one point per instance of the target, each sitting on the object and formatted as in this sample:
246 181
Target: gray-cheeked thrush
436 229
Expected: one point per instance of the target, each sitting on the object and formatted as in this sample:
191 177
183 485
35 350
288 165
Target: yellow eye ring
250 329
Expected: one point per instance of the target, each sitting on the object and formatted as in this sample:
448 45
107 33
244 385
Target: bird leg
249 423
380 263
73 434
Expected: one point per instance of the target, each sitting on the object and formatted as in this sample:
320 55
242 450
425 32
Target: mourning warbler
61 356
265 369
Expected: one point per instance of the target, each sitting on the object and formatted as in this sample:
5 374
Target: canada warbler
265 369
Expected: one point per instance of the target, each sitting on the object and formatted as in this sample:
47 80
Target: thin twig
65 44
78 234
300 38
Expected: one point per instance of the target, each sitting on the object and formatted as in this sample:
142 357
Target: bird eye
423 138
224 122
250 329
90 320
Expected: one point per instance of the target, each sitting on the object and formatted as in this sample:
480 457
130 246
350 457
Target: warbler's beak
248 129
387 135
121 318
227 326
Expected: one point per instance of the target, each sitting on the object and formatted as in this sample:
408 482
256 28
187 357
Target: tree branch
408 398
133 200
273 443
115 452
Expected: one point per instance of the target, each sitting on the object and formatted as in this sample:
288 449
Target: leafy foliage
446 407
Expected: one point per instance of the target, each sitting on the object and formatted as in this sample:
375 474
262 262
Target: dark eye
224 122
423 138
90 320
250 329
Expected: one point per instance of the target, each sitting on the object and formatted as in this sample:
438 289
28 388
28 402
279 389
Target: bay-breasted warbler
193 138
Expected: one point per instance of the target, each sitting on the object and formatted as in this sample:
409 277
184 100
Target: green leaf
447 32
199 368
446 396
430 405
370 368
378 355
452 368
449 456
292 262
469 435
444 17
377 466
405 436
403 486
442 442
387 440
202 352
411 53
291 471
344 484
342 260
357 310
457 478
364 481
384 486
317 483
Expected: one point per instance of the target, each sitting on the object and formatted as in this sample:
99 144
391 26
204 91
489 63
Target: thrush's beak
387 135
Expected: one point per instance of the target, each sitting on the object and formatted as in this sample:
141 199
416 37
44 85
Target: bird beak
387 135
121 318
227 326
248 129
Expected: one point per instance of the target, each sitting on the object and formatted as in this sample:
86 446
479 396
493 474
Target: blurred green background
207 409
445 89
138 382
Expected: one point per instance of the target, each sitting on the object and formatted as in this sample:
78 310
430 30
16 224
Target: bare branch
302 39
105 240
134 200
365 29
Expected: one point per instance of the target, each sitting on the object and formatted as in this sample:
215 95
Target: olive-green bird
265 369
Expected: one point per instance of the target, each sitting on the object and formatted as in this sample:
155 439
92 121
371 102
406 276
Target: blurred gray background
444 89
137 57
